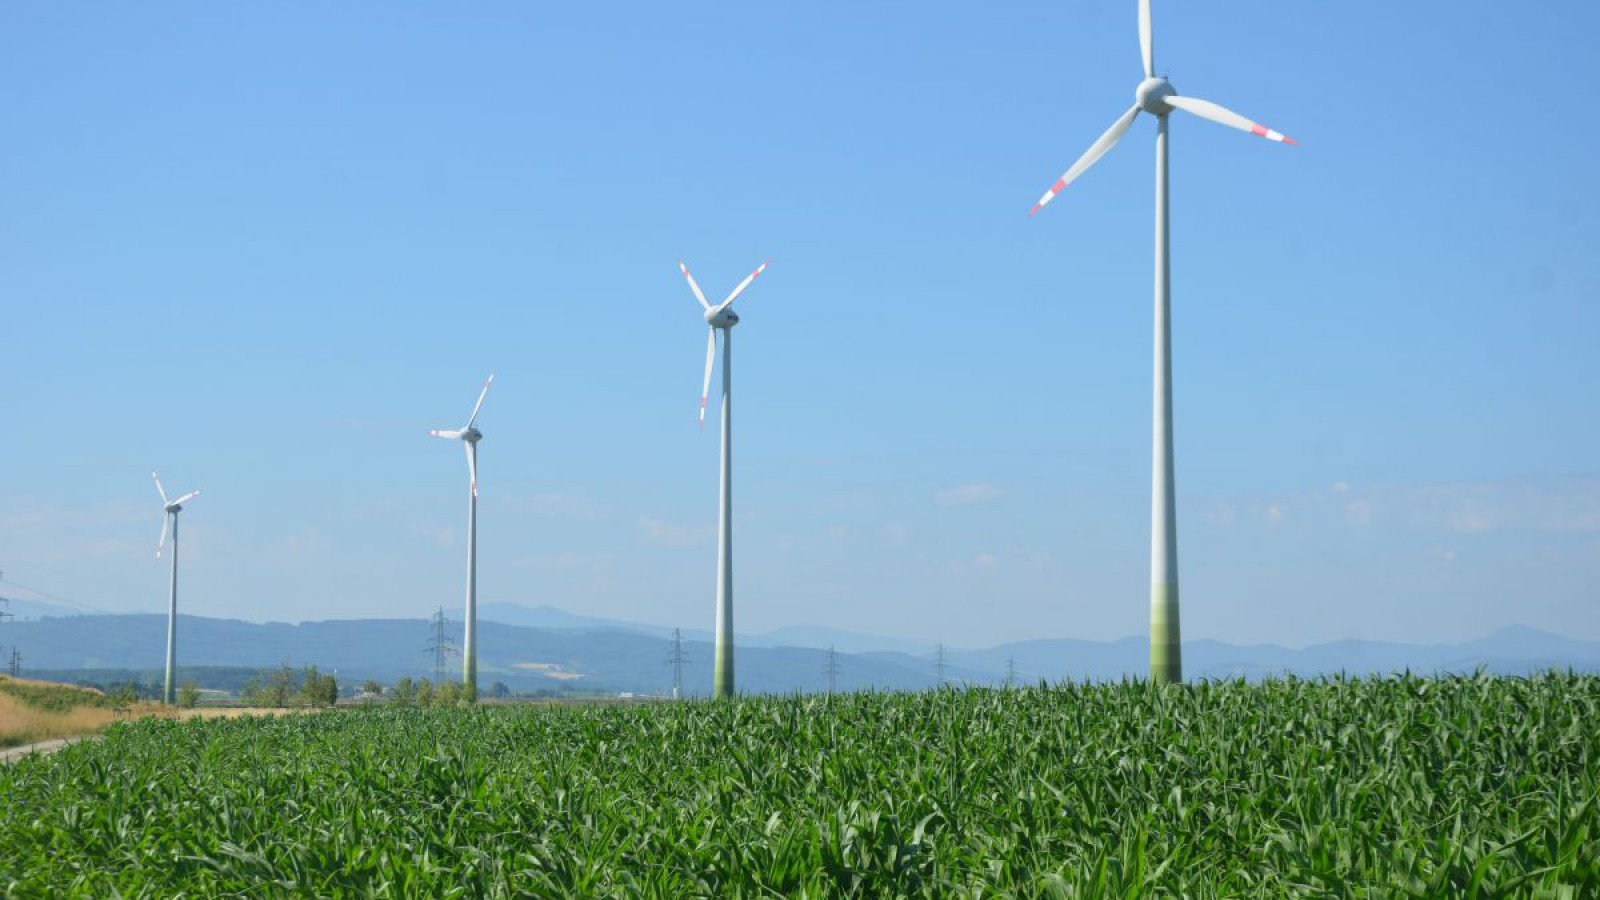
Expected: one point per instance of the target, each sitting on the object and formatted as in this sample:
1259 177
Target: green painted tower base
1166 652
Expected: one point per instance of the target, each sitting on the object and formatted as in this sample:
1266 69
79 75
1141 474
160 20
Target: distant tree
404 692
188 695
371 690
425 693
499 691
125 693
449 693
280 688
317 689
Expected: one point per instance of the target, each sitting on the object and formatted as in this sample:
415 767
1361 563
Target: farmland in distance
1457 786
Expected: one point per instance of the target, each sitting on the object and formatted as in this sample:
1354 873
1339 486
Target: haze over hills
564 650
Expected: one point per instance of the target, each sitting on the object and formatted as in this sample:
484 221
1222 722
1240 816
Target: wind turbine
170 521
722 318
470 435
1156 96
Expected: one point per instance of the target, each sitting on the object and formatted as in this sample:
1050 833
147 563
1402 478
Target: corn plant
1405 787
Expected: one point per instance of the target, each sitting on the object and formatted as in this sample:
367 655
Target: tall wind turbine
470 436
170 522
722 318
1156 96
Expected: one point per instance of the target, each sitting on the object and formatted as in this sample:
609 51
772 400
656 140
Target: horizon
705 635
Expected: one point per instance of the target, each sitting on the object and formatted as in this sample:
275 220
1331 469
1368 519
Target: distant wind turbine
1156 97
470 435
170 521
722 318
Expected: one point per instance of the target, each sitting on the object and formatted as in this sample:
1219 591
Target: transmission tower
440 646
16 662
1011 671
939 664
832 668
677 659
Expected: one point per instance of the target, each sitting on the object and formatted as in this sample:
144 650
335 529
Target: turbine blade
694 287
186 498
479 405
1146 40
711 357
1205 109
472 465
1090 157
161 544
742 285
159 489
453 434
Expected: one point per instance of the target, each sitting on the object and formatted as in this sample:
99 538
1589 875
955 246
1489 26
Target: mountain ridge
583 653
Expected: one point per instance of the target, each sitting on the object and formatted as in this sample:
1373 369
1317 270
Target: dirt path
13 754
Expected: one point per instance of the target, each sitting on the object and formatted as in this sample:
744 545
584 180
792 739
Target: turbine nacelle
1151 96
721 317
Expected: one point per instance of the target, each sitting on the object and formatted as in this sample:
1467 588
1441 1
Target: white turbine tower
170 522
1156 97
722 318
470 436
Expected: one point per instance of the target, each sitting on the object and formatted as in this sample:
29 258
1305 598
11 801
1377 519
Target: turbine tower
1156 96
170 522
722 318
470 436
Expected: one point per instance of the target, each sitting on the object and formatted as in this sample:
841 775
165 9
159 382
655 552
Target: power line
81 607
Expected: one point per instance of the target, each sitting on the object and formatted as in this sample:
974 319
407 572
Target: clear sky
264 248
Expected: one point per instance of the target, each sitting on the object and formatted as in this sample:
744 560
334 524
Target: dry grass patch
33 711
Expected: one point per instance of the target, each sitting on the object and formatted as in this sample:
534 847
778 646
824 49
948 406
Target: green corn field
1401 787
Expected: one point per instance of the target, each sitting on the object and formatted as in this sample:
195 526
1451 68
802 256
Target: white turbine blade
472 465
742 285
159 489
711 357
186 498
694 287
1205 109
479 405
1146 40
161 544
1090 157
453 434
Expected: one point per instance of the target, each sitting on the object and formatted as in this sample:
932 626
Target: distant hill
577 652
817 636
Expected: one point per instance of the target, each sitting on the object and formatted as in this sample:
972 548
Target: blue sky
264 249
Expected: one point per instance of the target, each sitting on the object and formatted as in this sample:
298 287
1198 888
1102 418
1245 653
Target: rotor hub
726 318
472 435
1152 96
